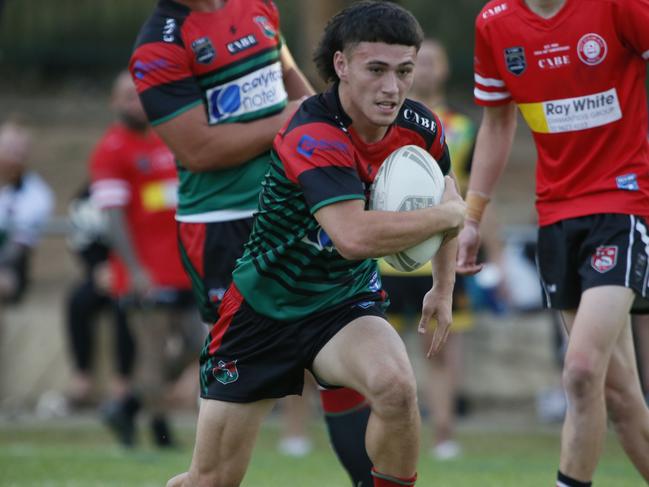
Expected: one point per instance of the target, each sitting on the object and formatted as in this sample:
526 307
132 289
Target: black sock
565 481
161 431
347 435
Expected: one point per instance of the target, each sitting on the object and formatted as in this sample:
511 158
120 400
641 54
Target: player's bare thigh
365 349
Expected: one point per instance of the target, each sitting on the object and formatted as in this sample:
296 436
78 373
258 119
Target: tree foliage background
44 41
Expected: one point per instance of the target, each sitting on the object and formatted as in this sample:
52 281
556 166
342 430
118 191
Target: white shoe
446 450
295 446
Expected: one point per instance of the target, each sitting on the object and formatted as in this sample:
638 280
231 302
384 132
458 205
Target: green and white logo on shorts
226 372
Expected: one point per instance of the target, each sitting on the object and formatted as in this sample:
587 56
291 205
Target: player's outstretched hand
468 244
437 306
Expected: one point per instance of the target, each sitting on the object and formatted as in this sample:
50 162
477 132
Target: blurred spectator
134 182
88 239
26 203
406 290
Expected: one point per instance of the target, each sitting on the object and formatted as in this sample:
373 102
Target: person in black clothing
86 301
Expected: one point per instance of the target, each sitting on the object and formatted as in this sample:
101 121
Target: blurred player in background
307 293
576 69
641 330
88 239
26 204
134 182
407 289
217 83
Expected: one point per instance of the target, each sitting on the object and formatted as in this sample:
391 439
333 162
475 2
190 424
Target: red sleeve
164 80
436 149
632 21
489 87
273 13
109 174
318 157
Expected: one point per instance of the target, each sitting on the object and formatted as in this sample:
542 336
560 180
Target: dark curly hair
365 21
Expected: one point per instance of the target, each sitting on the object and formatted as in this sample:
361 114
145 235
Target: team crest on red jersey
265 26
592 49
515 60
604 259
203 50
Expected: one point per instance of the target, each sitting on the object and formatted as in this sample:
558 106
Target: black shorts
407 293
248 357
596 250
209 252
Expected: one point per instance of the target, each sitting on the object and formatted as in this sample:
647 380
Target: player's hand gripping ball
409 179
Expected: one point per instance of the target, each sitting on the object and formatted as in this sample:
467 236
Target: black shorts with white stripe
595 250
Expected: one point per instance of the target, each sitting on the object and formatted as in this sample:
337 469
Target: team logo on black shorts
226 372
515 60
203 50
604 259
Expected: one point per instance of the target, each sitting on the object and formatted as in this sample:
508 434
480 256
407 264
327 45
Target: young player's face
374 80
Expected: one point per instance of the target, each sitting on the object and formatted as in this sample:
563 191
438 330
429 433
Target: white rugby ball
409 179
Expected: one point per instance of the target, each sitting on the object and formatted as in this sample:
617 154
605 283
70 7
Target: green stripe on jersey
263 113
180 111
236 188
289 268
241 67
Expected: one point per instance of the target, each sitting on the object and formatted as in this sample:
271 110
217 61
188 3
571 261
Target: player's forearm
228 145
379 233
202 147
120 240
296 84
492 148
444 265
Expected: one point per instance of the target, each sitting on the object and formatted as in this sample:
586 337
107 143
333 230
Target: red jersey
136 171
578 79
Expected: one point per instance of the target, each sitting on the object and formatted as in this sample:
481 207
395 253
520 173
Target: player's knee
393 392
580 378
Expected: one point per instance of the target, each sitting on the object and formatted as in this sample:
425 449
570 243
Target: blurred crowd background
58 61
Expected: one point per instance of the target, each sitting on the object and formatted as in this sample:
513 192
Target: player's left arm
295 83
632 18
438 302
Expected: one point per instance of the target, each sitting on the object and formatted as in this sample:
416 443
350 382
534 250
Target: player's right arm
493 142
360 234
200 147
492 149
173 101
111 191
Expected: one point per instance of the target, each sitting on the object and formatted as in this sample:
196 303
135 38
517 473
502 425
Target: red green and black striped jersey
290 267
228 61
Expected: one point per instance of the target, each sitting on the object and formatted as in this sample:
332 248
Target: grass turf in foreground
82 454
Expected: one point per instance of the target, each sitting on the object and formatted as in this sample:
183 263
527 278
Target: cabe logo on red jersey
604 259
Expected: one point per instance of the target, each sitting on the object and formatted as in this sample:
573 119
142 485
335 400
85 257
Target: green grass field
79 453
